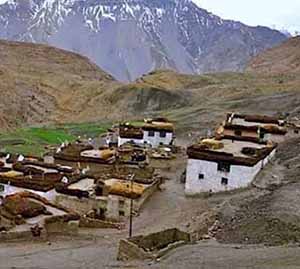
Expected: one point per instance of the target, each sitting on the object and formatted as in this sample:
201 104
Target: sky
279 14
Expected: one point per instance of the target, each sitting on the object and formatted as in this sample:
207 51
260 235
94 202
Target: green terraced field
32 141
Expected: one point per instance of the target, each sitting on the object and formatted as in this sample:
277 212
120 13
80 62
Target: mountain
41 84
128 38
284 58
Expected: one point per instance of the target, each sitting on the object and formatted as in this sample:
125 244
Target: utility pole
131 177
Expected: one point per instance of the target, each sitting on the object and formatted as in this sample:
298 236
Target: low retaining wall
152 246
21 236
101 224
57 225
66 225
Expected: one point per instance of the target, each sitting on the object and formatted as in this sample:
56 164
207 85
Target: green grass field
32 141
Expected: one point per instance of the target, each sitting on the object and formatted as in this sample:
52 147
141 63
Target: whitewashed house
221 165
158 132
154 133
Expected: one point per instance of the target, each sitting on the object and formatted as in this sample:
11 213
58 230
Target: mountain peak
128 38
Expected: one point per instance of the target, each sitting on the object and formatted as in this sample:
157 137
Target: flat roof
252 119
235 147
131 132
231 151
254 123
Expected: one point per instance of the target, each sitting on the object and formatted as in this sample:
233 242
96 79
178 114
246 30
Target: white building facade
213 176
156 138
152 137
122 141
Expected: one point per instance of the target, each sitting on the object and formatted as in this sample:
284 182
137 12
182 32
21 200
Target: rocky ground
269 214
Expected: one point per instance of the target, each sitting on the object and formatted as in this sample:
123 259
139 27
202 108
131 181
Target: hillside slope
41 84
280 59
129 38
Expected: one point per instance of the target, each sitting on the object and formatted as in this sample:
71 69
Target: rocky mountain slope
280 59
128 38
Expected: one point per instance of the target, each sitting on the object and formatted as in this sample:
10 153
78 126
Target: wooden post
131 207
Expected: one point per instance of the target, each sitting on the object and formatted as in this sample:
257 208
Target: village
107 184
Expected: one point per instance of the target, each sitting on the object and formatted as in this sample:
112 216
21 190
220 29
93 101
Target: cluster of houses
103 185
240 149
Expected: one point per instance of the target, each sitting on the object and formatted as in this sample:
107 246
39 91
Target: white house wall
122 141
156 140
238 177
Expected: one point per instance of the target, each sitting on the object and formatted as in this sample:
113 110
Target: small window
151 133
201 176
121 203
224 181
224 167
238 132
261 135
121 213
162 134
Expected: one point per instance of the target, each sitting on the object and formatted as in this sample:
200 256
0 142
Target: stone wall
86 222
59 225
81 206
152 246
21 236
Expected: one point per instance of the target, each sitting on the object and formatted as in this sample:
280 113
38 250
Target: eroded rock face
129 38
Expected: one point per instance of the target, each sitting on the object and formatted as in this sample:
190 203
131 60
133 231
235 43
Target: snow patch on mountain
131 37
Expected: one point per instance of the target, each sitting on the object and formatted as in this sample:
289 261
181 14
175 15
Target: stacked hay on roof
130 132
124 188
212 144
17 204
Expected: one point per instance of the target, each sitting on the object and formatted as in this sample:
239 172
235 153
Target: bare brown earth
280 59
41 85
269 213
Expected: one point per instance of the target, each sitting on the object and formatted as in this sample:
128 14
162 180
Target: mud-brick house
109 195
154 132
252 127
220 165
